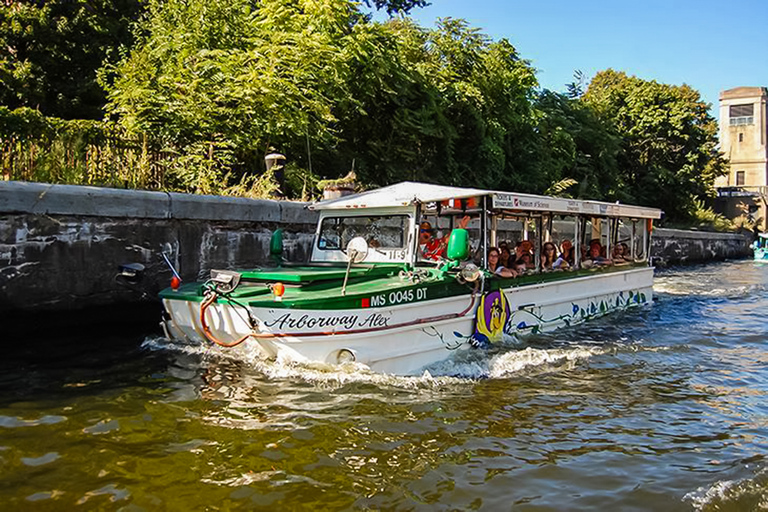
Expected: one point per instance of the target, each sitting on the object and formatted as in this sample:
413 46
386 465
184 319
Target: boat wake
709 281
323 374
510 359
704 289
744 494
537 360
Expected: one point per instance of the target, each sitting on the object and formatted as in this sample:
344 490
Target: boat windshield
380 231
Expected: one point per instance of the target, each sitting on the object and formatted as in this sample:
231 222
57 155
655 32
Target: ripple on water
39 461
102 427
111 490
12 422
47 495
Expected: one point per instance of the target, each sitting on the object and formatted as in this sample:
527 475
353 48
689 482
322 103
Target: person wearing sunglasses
429 246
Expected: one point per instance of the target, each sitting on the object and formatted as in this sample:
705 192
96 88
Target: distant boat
760 247
380 289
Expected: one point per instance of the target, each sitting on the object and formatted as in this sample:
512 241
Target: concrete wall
676 246
61 245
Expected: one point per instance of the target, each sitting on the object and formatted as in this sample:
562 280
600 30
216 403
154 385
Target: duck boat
371 292
760 247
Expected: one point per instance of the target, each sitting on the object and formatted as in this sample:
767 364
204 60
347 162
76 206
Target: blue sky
698 42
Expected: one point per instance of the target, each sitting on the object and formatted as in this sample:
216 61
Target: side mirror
458 245
276 246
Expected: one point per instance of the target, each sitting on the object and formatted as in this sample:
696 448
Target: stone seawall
61 246
677 246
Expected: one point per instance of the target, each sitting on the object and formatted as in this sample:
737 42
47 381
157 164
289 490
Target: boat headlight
345 355
470 273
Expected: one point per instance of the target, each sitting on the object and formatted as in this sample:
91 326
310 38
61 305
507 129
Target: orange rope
207 330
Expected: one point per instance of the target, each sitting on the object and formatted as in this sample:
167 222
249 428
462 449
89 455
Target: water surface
659 408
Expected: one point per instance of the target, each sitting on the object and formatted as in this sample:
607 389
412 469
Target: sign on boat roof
409 193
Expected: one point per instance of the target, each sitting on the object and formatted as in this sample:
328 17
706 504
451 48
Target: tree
236 78
485 94
449 106
397 6
50 52
576 144
669 155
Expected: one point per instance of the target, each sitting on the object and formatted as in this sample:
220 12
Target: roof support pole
484 231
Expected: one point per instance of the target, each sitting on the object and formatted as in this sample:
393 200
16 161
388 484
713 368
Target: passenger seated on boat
620 254
565 260
504 255
625 253
432 247
548 256
494 266
523 247
524 263
595 257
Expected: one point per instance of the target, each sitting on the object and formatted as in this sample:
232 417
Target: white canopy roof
409 193
406 193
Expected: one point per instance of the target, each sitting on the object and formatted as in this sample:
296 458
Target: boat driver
431 248
434 248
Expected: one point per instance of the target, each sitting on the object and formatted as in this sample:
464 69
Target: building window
741 115
739 178
741 137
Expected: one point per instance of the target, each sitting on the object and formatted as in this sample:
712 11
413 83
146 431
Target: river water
660 408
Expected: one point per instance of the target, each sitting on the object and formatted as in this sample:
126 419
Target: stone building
743 126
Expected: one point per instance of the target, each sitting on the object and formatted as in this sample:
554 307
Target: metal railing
743 191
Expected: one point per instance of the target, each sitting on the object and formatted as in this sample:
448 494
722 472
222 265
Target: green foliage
396 6
559 188
706 218
251 76
301 183
669 155
574 143
575 89
318 78
50 52
447 106
38 148
211 86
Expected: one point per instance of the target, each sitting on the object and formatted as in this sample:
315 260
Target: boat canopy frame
429 200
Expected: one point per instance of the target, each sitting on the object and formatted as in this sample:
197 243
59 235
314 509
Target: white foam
723 492
517 361
461 367
327 374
